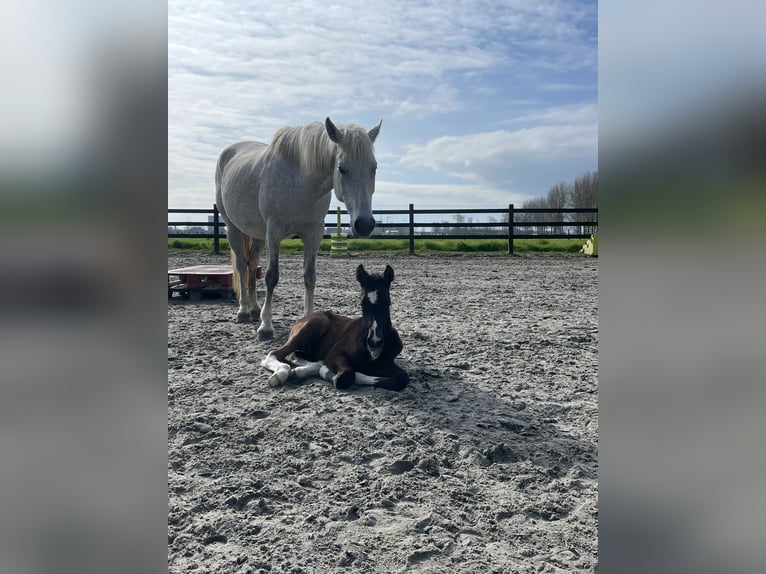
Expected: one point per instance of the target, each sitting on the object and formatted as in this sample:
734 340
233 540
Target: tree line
581 193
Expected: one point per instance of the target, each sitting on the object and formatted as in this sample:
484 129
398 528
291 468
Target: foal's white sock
281 370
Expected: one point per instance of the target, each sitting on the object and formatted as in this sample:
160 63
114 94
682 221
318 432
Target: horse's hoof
344 380
265 334
243 318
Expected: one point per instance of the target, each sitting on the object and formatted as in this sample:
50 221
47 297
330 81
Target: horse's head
354 173
376 308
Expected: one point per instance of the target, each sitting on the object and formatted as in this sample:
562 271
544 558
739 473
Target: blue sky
483 103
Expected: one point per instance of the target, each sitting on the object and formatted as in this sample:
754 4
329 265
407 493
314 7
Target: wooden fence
530 223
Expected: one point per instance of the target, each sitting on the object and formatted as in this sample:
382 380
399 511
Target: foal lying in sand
345 350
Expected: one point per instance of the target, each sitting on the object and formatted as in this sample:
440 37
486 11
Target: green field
402 245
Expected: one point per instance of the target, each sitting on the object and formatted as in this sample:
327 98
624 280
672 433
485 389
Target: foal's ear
332 132
388 274
373 133
361 275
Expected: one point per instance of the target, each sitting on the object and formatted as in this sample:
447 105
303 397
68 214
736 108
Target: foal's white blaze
375 338
372 296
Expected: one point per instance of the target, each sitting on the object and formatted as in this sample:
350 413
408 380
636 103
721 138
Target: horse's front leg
266 329
310 249
253 261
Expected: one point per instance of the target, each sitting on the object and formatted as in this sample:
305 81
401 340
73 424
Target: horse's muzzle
363 226
374 350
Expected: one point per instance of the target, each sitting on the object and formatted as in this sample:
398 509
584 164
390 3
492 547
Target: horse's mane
312 149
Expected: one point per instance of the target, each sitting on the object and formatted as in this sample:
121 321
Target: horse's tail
235 283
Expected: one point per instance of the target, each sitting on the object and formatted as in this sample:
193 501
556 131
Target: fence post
216 231
510 229
412 229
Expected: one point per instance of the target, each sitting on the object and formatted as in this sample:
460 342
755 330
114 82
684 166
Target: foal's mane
310 148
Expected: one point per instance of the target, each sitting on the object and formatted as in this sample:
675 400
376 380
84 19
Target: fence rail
524 223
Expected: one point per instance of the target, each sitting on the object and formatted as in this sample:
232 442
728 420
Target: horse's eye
342 169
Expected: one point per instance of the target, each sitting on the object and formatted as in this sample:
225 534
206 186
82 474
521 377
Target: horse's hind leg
238 242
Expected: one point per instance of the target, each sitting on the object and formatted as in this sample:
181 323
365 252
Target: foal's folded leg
281 371
342 380
391 377
366 380
392 383
396 380
345 371
304 369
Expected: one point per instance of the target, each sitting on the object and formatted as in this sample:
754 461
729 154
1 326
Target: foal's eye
342 169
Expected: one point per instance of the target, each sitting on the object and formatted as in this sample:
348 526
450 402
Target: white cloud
397 195
262 55
501 157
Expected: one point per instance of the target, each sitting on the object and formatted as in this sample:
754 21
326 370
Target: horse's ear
388 274
333 132
361 275
373 133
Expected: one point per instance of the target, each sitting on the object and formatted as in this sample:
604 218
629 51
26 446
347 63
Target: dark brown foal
345 350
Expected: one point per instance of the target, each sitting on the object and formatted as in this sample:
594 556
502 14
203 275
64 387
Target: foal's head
376 307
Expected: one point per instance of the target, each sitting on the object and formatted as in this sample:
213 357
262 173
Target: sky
483 103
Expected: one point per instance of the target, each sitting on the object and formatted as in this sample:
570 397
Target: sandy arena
486 462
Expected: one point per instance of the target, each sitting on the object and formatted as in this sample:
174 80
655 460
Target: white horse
268 192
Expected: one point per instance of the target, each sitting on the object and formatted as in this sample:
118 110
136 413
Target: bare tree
536 203
584 193
461 219
558 198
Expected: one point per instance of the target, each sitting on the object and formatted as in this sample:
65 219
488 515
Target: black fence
504 223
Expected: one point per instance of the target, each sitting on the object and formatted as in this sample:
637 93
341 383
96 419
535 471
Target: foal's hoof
275 380
265 334
343 380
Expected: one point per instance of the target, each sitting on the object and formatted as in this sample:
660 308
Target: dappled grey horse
268 192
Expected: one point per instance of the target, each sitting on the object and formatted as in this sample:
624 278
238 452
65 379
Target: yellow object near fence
338 242
591 246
